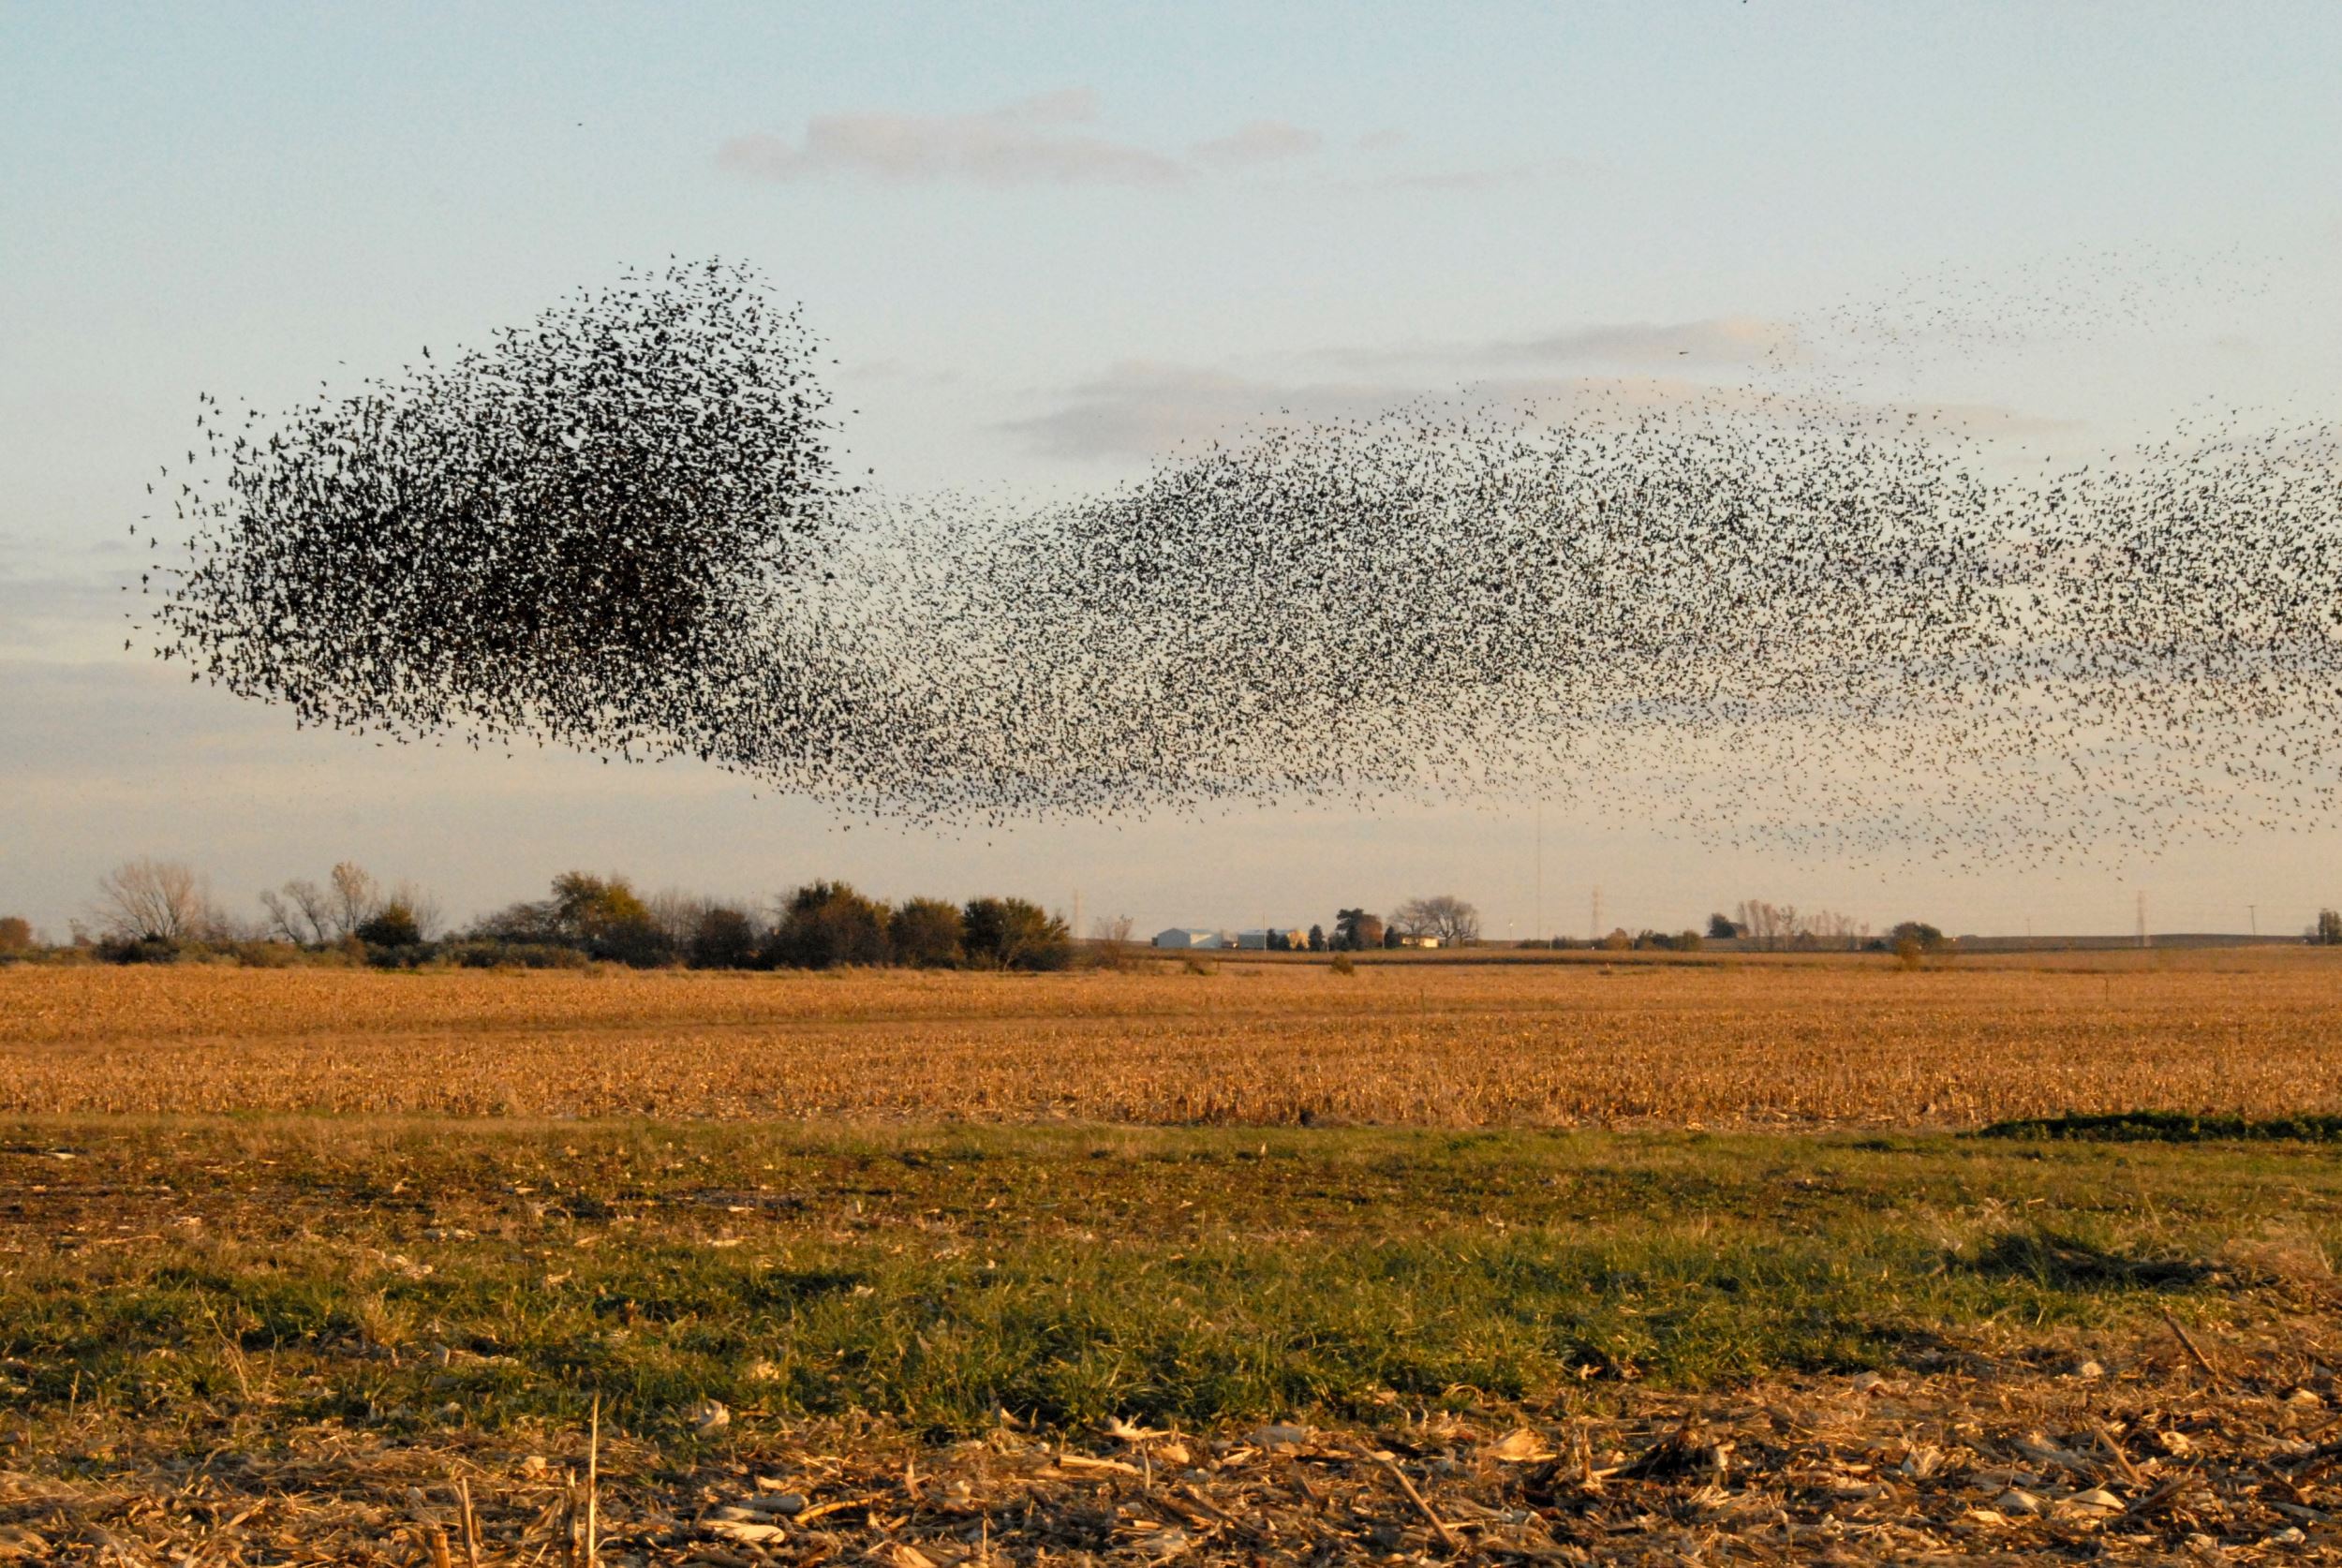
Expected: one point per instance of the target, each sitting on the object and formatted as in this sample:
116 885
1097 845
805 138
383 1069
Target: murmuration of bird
1762 616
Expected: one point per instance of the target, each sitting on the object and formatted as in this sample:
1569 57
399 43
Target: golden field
1713 1041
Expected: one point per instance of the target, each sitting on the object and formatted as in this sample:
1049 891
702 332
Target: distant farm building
1181 936
1413 940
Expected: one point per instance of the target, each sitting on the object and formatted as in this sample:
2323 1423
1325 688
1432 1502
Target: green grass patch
421 1276
2170 1127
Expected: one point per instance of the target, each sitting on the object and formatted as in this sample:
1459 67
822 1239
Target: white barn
1181 935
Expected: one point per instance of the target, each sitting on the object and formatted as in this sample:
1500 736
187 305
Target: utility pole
2142 920
1077 914
1537 932
1598 914
2253 912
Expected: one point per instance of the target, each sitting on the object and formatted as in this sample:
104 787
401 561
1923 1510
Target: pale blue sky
241 198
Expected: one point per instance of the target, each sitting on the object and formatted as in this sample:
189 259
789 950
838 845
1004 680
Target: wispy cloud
1472 179
1729 340
1057 139
1142 409
1139 408
1256 141
1036 140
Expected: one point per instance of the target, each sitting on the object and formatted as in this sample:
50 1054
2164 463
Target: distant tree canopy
1723 927
723 938
828 925
1917 933
822 925
15 934
158 911
1442 915
2329 929
930 933
602 917
1317 938
1355 930
1011 934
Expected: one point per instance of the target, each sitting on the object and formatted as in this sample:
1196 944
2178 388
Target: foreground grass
424 1277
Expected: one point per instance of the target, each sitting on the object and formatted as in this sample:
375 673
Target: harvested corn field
1730 1041
281 1341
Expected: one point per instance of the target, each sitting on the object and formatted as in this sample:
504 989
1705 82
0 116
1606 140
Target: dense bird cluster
1759 614
558 535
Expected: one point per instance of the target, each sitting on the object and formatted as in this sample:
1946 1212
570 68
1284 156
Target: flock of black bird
1759 614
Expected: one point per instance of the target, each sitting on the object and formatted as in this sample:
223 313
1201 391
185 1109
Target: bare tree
678 915
301 913
1110 941
421 903
153 900
1774 927
1444 916
308 915
353 900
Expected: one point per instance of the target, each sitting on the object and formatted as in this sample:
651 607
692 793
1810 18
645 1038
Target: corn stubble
1741 1041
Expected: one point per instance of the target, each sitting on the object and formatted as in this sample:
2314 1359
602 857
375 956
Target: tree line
153 910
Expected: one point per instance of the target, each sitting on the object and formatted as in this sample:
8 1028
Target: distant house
1413 940
1297 940
1181 936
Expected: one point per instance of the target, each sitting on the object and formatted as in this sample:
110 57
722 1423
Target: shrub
1342 963
1014 934
825 924
490 954
141 949
264 955
16 935
412 955
392 926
